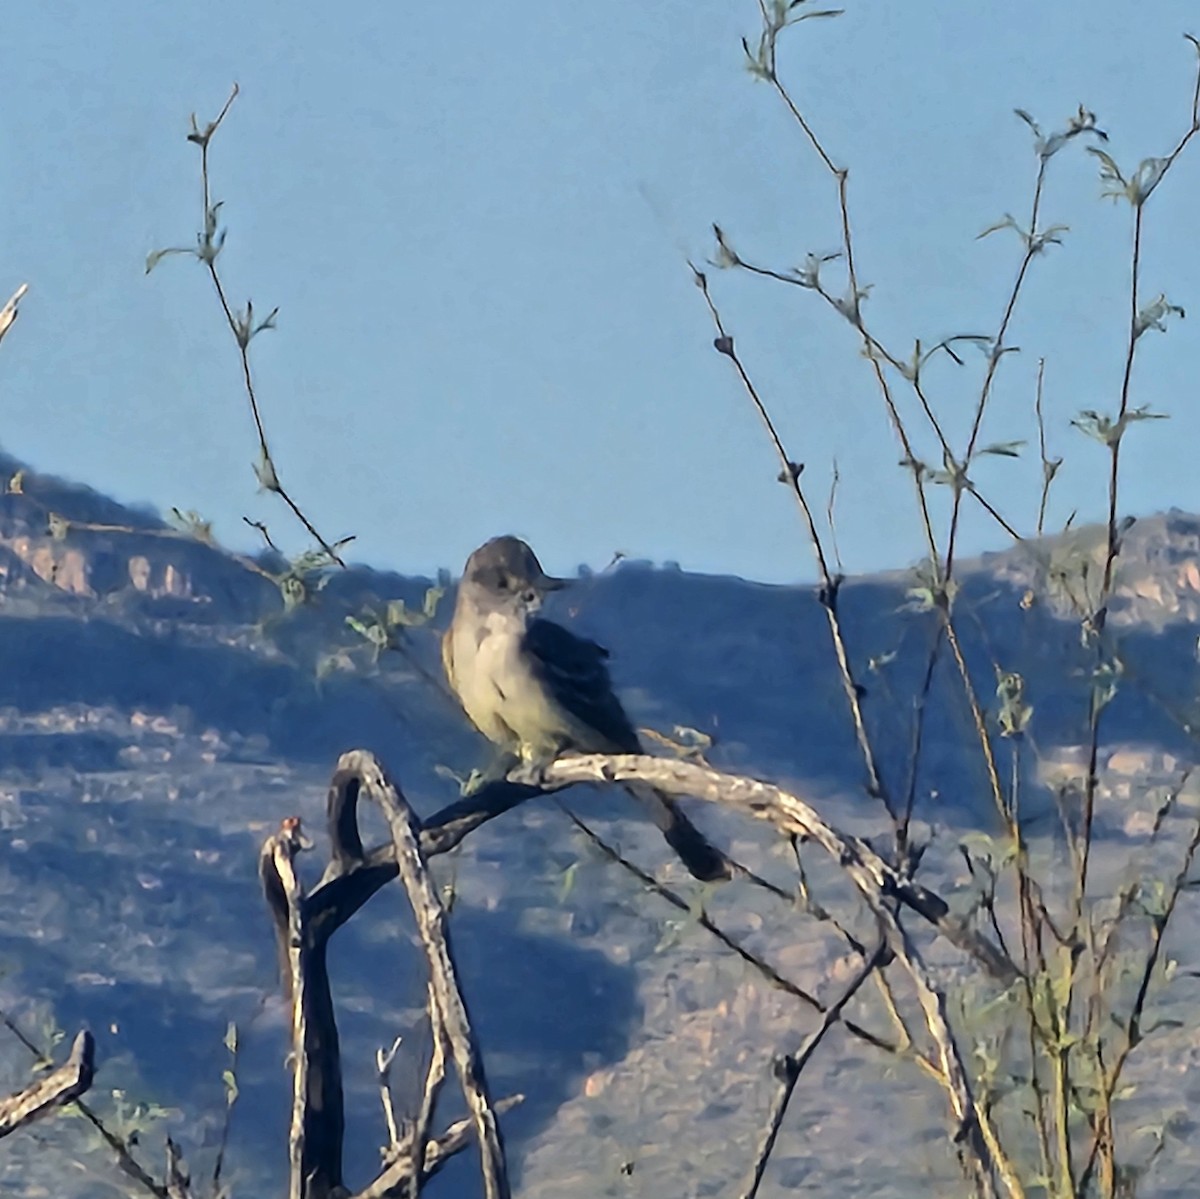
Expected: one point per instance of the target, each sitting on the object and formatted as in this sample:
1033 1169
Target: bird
533 687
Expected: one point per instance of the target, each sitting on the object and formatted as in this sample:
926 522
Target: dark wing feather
575 670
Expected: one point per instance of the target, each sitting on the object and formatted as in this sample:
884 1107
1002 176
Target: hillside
161 711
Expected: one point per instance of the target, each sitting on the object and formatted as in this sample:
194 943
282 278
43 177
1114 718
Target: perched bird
529 685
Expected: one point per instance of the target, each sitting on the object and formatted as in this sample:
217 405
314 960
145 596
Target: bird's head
505 574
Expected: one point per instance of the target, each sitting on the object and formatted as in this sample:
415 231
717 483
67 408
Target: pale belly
504 699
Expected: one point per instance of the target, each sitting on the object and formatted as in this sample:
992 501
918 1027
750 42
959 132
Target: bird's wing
575 671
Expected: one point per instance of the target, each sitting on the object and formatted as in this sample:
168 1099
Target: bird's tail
702 859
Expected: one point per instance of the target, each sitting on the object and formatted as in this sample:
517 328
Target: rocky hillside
162 708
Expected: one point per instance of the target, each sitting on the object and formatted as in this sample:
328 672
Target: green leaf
193 524
1037 132
156 256
369 629
399 614
567 885
433 597
231 1037
1014 714
1114 184
264 471
1007 222
1155 315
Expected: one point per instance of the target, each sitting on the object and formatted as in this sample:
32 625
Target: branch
450 1009
61 1086
759 964
789 475
318 1120
355 874
120 1147
9 312
880 885
242 325
874 877
393 1180
435 1076
788 1068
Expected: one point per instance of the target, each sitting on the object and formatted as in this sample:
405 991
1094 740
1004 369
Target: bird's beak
550 583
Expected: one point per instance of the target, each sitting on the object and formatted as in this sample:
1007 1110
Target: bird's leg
534 761
497 770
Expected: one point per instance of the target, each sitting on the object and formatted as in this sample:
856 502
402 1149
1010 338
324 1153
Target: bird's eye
528 596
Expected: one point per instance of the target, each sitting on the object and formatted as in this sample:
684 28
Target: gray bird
534 687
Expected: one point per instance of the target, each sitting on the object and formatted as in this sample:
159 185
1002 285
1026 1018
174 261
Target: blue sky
475 220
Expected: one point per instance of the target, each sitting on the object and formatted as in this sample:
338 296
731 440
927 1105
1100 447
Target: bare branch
451 1008
394 1180
68 1082
788 1068
318 1120
760 965
874 877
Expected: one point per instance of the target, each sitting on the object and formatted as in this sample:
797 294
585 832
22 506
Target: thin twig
790 475
1049 465
830 516
706 922
210 245
10 311
789 1067
879 883
1132 1032
392 1182
1032 249
383 1068
791 815
435 1076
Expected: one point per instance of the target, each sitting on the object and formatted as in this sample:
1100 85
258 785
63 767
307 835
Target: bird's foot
496 771
532 768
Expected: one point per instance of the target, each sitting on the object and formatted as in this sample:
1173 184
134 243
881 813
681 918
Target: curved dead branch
305 922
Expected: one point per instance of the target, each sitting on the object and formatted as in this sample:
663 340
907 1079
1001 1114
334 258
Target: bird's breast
488 671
